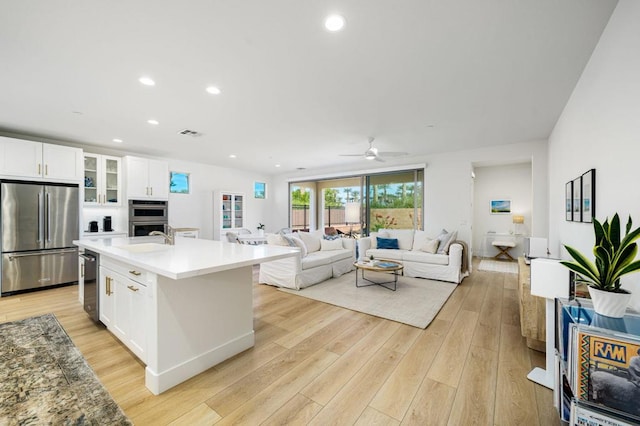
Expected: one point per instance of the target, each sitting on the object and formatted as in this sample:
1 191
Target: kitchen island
180 308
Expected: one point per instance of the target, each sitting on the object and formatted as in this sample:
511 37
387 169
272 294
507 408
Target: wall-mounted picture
500 206
179 183
259 190
589 196
577 198
568 201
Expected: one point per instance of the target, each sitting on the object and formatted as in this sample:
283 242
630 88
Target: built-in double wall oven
146 216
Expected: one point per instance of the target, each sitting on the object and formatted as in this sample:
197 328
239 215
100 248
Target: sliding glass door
360 204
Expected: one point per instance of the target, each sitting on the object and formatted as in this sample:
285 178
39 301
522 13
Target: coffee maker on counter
106 224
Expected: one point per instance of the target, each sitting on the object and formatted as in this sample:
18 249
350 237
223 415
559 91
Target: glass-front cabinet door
102 180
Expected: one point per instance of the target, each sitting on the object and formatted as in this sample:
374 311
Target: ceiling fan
373 154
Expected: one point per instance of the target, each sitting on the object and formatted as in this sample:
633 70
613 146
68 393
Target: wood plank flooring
318 364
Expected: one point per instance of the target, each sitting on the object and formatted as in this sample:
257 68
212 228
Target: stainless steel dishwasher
89 268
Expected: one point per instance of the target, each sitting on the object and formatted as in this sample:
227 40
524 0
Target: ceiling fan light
370 156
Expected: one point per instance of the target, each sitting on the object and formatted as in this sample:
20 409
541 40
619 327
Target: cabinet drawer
131 272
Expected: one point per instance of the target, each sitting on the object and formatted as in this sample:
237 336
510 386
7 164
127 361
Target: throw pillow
430 246
404 237
276 240
312 241
387 243
445 238
300 244
326 245
375 235
331 237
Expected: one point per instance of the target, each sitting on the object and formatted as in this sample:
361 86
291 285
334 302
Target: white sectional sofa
319 260
415 252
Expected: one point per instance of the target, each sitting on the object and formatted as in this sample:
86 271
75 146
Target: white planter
260 232
609 304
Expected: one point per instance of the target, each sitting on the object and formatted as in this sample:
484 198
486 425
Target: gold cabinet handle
82 270
39 168
108 286
46 170
151 190
132 288
136 273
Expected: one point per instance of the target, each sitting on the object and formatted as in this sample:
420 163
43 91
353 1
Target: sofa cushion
276 240
422 257
404 236
337 255
311 240
374 235
387 243
430 246
298 243
316 258
385 254
328 245
419 238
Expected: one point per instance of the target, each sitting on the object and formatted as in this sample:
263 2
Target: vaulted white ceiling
421 76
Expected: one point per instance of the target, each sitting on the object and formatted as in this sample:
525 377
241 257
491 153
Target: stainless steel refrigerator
39 223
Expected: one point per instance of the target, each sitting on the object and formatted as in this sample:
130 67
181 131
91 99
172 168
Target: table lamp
352 214
517 220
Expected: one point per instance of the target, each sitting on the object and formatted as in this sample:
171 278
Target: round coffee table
390 266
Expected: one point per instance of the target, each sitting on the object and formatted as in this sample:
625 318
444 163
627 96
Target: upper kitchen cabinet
40 161
147 179
102 180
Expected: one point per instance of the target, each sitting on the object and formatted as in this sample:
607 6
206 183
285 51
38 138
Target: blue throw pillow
387 243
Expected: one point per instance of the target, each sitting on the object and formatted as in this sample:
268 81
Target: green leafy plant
260 225
613 257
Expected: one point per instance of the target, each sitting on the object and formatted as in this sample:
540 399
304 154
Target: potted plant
260 229
613 259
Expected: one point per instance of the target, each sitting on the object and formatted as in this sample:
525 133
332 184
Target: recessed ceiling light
147 81
334 23
277 165
117 140
154 122
213 90
232 156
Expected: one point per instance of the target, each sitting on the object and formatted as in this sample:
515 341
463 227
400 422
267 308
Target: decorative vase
609 304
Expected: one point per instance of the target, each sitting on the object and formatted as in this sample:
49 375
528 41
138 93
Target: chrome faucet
169 237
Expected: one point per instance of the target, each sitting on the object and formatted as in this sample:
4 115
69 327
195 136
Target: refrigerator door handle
48 207
41 253
40 219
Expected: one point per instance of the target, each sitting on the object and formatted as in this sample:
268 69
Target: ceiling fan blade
350 155
379 159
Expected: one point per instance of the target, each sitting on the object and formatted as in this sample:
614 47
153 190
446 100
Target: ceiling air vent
190 133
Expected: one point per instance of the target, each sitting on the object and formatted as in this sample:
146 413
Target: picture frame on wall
577 199
568 203
178 183
500 206
588 205
259 190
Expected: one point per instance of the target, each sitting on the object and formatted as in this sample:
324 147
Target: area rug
415 302
44 378
498 266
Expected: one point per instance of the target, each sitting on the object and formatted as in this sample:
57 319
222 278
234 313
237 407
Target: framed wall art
500 206
259 190
178 183
568 201
589 196
577 199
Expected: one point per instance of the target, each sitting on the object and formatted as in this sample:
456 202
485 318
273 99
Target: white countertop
188 257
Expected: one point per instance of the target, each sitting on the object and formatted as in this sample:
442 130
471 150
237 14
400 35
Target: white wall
600 128
448 186
510 182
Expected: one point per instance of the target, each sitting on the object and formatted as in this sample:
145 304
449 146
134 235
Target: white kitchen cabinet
229 207
129 300
107 298
147 179
41 161
102 180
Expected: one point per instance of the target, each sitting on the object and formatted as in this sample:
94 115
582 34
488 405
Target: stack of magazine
598 371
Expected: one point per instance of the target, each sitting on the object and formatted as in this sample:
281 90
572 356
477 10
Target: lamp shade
352 212
518 218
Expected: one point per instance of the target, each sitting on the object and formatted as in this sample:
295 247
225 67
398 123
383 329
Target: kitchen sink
145 247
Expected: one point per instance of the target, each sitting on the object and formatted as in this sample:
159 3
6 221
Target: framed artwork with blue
259 190
179 183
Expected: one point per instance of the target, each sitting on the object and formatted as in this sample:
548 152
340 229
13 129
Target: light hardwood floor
318 364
